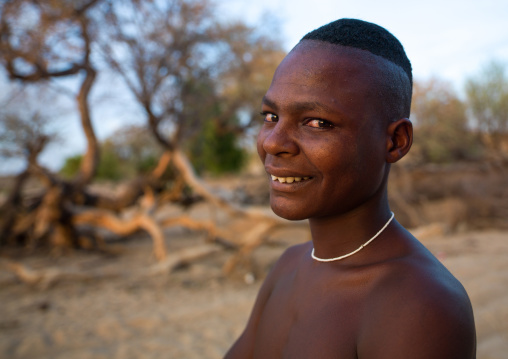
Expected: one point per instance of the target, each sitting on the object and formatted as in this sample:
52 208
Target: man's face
323 136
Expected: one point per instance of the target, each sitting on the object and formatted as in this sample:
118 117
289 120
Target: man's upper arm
414 326
244 346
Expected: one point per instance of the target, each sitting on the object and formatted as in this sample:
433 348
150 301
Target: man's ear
399 138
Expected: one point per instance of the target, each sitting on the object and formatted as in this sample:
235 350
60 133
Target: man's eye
269 117
317 123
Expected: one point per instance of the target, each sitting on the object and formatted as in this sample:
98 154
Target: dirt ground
195 312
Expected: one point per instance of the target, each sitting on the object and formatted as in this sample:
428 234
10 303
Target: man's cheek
259 145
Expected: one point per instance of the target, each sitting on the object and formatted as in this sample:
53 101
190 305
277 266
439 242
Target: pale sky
450 39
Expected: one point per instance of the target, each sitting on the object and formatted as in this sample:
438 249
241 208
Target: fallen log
140 221
44 278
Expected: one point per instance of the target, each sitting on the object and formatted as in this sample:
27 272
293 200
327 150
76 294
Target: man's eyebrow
299 106
268 102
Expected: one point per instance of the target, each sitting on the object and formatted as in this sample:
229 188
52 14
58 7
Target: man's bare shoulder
417 309
288 262
292 256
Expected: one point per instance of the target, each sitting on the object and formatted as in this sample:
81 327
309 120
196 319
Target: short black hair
373 38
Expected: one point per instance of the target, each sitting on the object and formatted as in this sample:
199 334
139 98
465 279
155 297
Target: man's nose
280 140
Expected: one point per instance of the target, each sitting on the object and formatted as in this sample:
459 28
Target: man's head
377 40
335 119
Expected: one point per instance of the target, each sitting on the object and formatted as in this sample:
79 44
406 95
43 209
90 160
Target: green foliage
441 131
111 167
128 152
135 147
71 166
146 164
216 151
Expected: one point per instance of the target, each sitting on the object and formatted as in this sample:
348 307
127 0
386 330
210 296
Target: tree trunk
91 157
9 209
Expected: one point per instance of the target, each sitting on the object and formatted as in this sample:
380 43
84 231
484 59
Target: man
336 118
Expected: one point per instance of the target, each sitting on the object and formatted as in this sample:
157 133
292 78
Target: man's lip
281 172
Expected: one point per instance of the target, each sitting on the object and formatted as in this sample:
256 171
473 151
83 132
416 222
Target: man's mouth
289 179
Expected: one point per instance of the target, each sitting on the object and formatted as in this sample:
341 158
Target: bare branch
125 227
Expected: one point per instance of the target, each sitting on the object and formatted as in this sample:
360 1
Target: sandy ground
195 312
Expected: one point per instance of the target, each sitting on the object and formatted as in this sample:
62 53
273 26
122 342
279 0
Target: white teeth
288 179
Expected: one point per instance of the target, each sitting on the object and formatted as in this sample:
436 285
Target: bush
216 152
71 166
441 125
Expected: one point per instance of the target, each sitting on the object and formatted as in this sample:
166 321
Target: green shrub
71 166
216 152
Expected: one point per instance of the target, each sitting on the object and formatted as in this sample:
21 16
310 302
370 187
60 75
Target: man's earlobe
399 139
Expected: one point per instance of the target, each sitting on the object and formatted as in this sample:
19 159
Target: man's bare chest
302 319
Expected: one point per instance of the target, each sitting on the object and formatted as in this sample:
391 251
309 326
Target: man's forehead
314 57
319 66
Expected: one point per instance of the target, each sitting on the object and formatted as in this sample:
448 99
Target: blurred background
134 216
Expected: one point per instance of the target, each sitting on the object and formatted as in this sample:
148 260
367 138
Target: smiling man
336 118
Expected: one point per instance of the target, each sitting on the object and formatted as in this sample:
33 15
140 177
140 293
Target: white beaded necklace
355 251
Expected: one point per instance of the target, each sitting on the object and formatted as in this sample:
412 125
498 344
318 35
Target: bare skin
393 299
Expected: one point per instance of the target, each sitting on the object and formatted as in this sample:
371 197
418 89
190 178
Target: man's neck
339 235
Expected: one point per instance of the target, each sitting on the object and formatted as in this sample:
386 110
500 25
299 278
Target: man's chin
289 213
